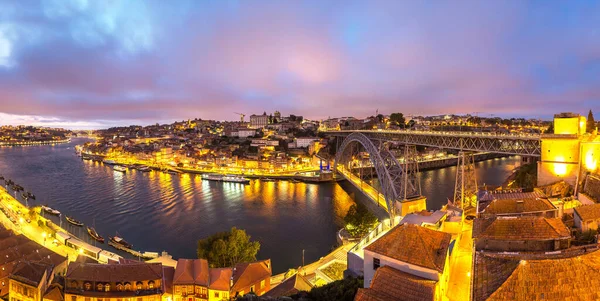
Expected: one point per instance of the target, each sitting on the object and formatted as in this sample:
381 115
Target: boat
92 232
31 195
24 195
212 177
50 210
236 179
296 181
267 180
120 242
173 172
109 162
144 168
120 168
73 221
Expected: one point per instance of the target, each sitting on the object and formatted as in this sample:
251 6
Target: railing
447 133
380 228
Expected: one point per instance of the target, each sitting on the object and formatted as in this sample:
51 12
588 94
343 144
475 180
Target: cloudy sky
90 64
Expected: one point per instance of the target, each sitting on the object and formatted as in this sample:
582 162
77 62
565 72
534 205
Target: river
156 211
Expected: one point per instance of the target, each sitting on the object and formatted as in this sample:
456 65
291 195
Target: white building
411 249
302 142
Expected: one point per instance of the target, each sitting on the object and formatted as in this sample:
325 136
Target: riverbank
32 143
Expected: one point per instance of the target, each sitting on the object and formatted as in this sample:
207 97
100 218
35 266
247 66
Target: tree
550 129
226 249
398 119
379 117
344 289
359 220
591 123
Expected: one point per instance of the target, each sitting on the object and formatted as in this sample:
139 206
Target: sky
95 64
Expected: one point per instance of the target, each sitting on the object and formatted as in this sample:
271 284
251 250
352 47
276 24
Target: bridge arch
389 171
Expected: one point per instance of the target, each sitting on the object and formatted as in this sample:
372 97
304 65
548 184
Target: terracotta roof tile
54 293
246 274
220 278
290 286
415 245
114 272
588 212
573 278
391 284
520 228
508 206
31 273
191 271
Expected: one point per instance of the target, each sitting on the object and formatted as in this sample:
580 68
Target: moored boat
296 181
109 162
120 168
212 177
267 180
50 210
120 242
144 168
236 179
73 221
92 232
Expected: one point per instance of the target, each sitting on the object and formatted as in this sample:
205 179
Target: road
459 284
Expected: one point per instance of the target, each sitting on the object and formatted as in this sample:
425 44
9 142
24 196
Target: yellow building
29 281
570 153
105 282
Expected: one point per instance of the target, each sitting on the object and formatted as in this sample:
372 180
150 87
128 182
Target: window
100 299
107 287
73 298
88 299
177 290
262 284
216 294
127 286
376 263
139 299
73 284
252 289
119 287
99 287
138 286
151 284
88 286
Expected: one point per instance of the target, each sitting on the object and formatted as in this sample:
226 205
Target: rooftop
509 206
522 228
415 245
547 279
290 286
191 271
391 284
219 278
114 272
246 274
588 212
30 273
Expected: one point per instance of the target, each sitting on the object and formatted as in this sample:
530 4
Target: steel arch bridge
393 178
511 144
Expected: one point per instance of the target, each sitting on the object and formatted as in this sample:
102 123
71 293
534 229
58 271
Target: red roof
220 278
191 271
247 274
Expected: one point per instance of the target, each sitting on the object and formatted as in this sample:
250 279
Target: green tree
398 119
591 123
226 249
359 220
379 117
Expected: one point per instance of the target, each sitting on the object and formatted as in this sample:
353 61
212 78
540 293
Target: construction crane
241 116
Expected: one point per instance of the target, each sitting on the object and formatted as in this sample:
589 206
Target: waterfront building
259 121
251 277
390 284
587 217
130 281
15 249
194 280
29 281
520 234
418 251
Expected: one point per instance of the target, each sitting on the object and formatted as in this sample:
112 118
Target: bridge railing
447 133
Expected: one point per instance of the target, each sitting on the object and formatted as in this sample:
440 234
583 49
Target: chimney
520 205
231 282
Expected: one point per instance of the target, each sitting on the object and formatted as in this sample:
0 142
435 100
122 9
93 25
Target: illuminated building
416 252
587 217
29 281
259 121
123 281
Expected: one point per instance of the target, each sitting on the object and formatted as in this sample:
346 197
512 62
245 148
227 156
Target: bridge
510 144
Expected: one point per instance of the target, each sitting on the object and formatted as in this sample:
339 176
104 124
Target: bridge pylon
465 189
411 199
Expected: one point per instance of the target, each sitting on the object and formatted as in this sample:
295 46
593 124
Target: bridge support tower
465 188
412 200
